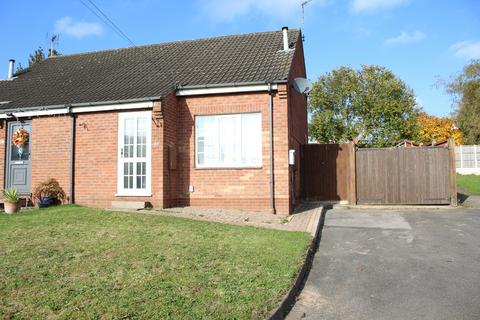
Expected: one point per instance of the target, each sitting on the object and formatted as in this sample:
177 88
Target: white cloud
227 10
405 37
360 6
467 49
77 29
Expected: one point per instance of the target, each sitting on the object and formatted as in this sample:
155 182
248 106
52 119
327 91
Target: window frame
227 166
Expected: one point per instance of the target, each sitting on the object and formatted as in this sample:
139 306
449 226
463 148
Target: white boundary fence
467 159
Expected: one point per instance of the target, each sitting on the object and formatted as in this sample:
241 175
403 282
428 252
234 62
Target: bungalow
210 123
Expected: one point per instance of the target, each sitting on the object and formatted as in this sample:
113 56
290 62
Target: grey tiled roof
152 70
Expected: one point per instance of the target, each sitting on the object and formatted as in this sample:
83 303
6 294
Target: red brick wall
232 188
50 157
96 145
297 110
170 126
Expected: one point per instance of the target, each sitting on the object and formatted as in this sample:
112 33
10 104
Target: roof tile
152 70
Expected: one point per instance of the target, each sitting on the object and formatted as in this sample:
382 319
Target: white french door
134 154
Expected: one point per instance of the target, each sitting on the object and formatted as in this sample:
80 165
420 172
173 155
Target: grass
469 184
81 263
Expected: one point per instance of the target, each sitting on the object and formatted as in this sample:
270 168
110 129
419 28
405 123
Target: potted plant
48 193
11 201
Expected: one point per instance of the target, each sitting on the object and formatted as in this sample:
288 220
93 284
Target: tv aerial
304 3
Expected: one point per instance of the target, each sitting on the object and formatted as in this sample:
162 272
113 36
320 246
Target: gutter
230 84
222 88
140 103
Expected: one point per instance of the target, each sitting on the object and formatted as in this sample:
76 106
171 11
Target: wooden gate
328 172
405 176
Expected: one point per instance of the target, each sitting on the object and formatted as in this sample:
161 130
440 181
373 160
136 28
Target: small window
233 140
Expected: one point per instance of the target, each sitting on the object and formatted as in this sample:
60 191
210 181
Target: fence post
352 194
453 173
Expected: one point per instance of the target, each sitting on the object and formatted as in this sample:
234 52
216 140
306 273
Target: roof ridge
170 42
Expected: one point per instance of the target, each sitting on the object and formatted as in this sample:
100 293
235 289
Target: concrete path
472 202
304 219
387 264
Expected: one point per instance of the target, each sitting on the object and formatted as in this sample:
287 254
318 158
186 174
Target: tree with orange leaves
434 129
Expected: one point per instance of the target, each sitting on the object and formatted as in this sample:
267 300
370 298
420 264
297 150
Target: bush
49 188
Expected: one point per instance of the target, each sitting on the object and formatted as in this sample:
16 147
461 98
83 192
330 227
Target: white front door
134 154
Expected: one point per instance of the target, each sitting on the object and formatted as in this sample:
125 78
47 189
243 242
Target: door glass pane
20 153
128 175
20 150
142 137
128 138
141 175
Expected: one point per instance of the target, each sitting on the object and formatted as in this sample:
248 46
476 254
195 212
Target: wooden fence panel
328 172
404 176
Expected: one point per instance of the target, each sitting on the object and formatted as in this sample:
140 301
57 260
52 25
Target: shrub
10 195
49 188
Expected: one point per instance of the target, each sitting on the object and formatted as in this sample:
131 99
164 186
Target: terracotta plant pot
11 207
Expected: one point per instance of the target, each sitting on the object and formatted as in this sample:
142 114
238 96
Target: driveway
392 264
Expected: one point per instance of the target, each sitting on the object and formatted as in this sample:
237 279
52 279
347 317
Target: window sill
146 194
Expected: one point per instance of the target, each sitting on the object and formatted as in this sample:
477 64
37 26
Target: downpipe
272 177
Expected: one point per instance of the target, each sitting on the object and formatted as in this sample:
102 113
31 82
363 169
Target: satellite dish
302 85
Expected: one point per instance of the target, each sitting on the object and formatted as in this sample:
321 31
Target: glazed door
134 149
18 170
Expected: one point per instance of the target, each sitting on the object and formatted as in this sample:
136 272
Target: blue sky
419 40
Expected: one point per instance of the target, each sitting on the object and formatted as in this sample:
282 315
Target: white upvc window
134 154
228 140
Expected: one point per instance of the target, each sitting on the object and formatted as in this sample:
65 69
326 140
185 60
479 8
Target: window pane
229 140
252 139
206 135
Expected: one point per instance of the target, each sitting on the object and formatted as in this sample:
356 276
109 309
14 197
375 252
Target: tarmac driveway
386 264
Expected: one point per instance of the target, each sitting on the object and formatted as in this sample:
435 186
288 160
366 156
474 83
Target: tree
465 89
36 57
433 129
371 102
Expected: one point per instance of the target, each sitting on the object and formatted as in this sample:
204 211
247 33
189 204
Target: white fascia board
113 107
220 90
57 111
34 113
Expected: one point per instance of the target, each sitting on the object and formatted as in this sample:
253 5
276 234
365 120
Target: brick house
187 123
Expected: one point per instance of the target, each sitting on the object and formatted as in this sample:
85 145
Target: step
131 205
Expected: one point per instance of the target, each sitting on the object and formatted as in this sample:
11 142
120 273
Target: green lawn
74 262
469 184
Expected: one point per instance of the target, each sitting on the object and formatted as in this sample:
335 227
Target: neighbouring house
209 122
467 158
412 144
